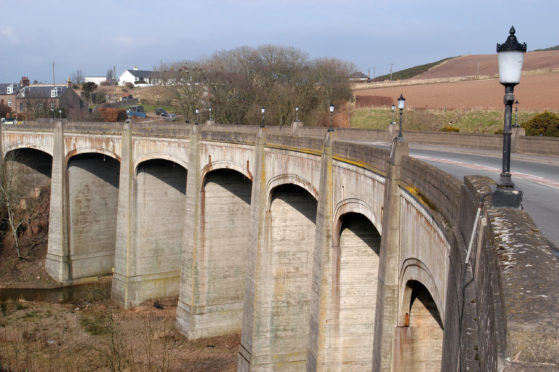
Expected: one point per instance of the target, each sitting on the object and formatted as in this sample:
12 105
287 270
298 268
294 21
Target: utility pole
53 79
391 64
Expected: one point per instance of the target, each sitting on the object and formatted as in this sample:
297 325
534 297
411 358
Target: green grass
151 108
468 121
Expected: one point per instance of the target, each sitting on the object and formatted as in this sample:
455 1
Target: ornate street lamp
515 125
263 111
297 113
331 129
210 109
393 109
197 116
401 104
511 57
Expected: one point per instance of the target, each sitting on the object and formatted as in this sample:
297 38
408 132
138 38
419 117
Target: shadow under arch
160 156
225 164
87 150
356 206
287 179
152 164
27 146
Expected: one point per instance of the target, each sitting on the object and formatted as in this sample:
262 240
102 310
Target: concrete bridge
325 253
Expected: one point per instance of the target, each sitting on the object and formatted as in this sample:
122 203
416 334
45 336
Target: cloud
129 42
8 33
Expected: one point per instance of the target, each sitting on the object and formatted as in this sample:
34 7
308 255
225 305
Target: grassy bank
467 121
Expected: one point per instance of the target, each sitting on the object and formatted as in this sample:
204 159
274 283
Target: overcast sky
94 36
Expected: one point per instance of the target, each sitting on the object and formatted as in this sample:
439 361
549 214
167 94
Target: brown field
536 92
487 63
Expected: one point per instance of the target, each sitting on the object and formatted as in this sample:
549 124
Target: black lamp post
210 109
393 109
331 129
297 113
60 114
516 115
197 116
401 104
263 111
511 57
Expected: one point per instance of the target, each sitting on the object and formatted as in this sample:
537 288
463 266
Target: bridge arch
225 164
356 250
419 337
159 231
91 150
414 270
161 156
285 179
353 205
92 197
18 146
224 230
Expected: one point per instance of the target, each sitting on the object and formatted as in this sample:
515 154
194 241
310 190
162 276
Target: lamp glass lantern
511 59
401 102
332 107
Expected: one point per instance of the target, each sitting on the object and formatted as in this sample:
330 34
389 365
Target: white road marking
528 177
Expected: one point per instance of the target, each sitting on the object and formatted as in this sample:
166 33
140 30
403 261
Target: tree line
236 84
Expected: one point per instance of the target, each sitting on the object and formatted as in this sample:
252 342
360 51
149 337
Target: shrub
544 124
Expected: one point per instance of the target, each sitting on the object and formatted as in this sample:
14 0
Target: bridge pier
57 262
386 316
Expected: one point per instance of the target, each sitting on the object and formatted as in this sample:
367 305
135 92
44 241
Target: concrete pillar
295 126
318 354
256 254
189 293
386 317
391 131
516 133
57 262
124 269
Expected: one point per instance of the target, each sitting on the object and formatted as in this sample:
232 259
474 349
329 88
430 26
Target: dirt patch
96 336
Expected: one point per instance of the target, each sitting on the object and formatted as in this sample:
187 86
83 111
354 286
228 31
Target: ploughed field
536 92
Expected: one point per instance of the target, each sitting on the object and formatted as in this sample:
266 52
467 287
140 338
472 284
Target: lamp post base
506 197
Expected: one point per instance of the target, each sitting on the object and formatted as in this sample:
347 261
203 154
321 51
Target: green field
467 121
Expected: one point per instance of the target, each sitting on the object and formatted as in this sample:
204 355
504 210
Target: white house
137 77
95 79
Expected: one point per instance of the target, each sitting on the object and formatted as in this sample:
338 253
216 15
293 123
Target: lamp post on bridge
197 111
516 115
297 113
393 109
401 104
331 129
210 110
511 57
263 111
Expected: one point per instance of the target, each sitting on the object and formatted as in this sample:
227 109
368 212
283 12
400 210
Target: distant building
358 77
95 79
45 101
137 77
8 92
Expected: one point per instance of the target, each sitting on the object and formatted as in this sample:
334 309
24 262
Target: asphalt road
537 176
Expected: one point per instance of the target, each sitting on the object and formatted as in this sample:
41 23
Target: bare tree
19 208
77 77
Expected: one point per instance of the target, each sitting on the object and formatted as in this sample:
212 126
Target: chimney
24 81
135 68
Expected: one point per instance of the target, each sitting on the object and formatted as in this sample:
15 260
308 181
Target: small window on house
10 89
53 93
21 107
52 106
9 103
